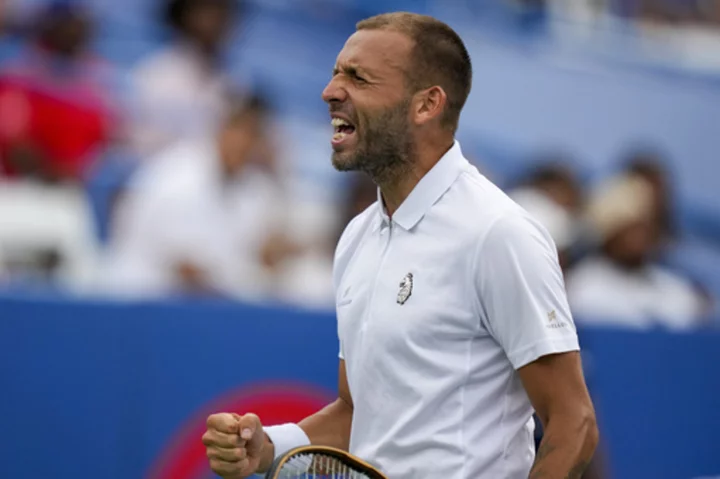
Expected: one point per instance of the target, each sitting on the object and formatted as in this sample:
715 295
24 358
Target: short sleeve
521 291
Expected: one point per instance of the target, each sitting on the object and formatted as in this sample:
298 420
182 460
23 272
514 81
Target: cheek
371 124
361 123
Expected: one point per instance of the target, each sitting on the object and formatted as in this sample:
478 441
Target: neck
397 186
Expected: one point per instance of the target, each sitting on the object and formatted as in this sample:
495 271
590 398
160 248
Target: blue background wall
107 390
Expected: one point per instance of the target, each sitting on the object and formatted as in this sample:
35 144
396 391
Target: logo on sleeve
406 287
554 322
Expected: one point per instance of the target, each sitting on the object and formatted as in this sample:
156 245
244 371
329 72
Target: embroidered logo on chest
406 287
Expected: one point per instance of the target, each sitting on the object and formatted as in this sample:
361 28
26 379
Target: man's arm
238 447
556 388
331 425
328 427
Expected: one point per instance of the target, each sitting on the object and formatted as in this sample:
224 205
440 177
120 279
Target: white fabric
180 210
286 437
35 217
175 97
601 292
307 280
434 380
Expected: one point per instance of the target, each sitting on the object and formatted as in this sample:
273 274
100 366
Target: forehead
380 52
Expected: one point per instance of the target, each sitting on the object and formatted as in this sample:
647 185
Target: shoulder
174 171
671 281
592 268
491 217
161 69
593 276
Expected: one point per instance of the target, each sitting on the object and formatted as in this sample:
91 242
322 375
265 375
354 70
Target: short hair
439 57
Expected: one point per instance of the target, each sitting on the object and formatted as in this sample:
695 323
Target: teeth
336 122
339 136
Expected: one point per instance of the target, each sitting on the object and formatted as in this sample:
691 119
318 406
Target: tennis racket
320 462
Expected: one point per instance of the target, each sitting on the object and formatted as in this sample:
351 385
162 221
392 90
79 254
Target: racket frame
365 467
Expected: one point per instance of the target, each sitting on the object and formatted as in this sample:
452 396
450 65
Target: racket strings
318 466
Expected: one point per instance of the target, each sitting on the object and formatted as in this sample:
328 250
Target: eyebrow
350 70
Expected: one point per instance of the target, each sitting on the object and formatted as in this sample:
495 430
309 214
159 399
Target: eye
358 78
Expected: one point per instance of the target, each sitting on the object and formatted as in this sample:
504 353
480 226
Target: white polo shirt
437 309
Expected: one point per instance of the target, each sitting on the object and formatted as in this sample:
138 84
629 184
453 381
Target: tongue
347 129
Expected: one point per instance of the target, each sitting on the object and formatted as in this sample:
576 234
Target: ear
429 105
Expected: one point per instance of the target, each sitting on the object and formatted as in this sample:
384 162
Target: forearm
566 449
328 427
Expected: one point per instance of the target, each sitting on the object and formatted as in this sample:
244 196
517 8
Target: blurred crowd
199 203
611 238
700 13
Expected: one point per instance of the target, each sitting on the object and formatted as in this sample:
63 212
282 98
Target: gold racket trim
331 451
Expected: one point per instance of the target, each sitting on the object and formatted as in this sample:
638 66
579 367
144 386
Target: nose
334 91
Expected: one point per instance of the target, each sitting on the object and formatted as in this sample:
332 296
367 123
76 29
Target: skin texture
399 136
556 388
237 447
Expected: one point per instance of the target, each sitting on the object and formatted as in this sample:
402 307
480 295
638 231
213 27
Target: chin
344 161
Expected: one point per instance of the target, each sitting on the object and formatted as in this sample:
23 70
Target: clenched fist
235 444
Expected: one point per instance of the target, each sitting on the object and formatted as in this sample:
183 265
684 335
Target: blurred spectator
202 217
552 194
621 285
679 12
47 236
56 112
649 166
306 278
182 91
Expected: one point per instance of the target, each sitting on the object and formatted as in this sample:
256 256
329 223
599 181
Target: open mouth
343 130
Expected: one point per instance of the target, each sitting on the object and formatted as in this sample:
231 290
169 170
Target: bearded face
377 143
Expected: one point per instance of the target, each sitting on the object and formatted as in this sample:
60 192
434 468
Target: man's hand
235 444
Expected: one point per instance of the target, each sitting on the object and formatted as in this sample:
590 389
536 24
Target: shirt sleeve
522 292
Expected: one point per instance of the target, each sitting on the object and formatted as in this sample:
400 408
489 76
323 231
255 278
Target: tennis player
452 316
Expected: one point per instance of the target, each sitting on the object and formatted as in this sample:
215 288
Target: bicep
555 385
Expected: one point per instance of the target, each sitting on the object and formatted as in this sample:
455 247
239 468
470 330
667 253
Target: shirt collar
428 190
